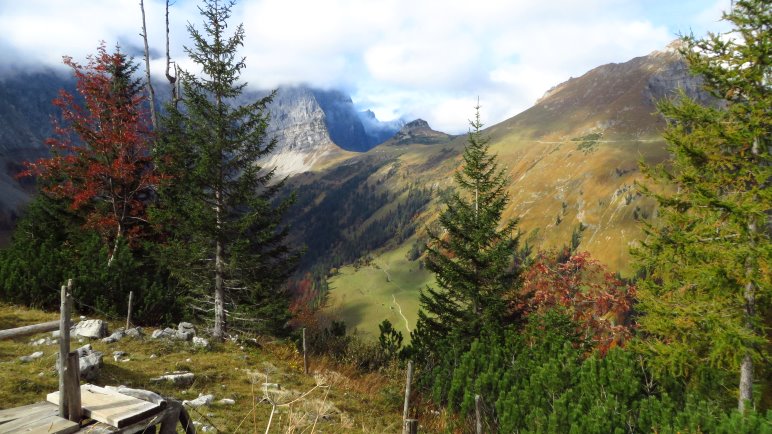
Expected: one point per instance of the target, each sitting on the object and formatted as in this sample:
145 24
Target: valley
572 161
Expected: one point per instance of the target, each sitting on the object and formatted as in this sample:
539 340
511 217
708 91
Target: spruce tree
705 263
226 237
471 256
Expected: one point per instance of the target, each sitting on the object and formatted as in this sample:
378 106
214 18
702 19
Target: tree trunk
219 291
115 246
746 368
151 93
172 78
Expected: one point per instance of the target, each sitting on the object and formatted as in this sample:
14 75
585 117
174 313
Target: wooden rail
29 330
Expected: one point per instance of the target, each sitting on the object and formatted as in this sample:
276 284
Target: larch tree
227 241
100 160
705 262
472 254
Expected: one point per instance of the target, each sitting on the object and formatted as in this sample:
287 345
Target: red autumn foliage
100 159
599 302
305 302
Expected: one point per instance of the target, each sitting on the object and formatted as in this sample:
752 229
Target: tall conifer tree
706 261
472 256
227 238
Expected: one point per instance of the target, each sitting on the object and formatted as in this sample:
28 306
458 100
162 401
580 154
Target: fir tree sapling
472 255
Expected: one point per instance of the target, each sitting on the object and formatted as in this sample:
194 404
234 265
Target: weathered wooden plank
29 330
142 426
111 407
45 425
14 413
10 414
35 418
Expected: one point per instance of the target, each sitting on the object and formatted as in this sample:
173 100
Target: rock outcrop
418 131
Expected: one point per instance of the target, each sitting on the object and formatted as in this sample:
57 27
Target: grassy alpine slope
572 161
338 399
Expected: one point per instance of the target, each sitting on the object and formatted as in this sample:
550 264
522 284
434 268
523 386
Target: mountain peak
418 131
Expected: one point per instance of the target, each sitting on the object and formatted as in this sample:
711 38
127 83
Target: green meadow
386 288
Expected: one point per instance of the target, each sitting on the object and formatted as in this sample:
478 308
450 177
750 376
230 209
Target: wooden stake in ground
128 314
411 426
406 410
72 387
305 357
64 348
478 413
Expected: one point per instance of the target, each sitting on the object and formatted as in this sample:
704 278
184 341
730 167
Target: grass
334 399
364 296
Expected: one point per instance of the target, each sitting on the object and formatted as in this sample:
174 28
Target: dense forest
174 206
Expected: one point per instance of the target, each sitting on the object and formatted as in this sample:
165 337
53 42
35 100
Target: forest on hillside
173 205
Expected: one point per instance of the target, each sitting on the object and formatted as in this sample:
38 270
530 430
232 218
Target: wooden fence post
411 426
478 413
64 349
72 387
305 356
128 315
406 410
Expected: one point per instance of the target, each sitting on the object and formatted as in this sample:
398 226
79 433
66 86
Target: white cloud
412 58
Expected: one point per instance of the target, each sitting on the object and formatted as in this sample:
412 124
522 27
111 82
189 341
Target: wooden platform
104 412
40 418
110 407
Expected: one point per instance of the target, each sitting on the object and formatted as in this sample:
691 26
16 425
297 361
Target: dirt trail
399 308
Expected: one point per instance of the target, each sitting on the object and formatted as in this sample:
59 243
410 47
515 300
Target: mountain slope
572 160
314 128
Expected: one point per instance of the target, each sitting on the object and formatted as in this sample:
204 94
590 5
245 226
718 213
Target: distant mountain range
312 126
572 159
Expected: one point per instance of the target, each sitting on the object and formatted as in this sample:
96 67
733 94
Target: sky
400 58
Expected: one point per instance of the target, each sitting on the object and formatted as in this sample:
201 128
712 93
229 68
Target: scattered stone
118 355
200 342
165 333
226 401
201 401
43 341
153 356
115 337
186 327
92 328
188 360
177 378
184 336
89 362
90 365
34 356
136 332
85 349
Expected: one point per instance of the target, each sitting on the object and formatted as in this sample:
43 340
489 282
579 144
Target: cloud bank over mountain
400 58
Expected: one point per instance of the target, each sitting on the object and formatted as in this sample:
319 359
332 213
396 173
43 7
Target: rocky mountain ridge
311 126
418 131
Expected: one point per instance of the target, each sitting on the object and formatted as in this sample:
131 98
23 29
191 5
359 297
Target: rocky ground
242 385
